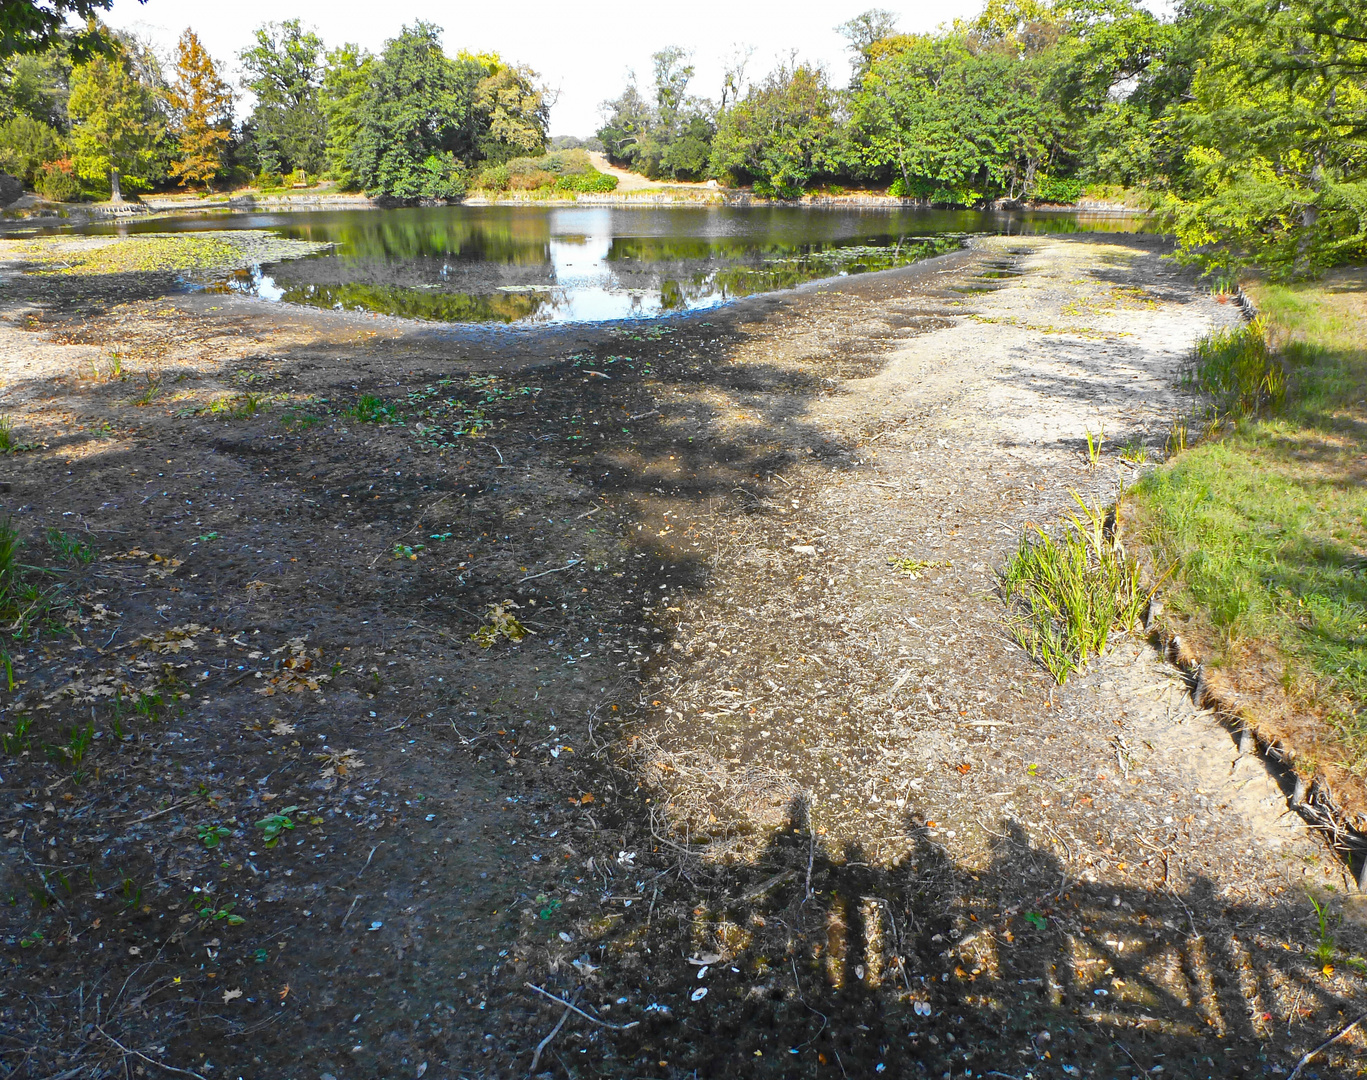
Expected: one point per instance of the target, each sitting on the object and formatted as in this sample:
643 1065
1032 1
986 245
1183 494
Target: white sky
582 50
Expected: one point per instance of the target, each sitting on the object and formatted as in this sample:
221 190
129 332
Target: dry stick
349 911
581 1012
536 1057
149 1060
1324 1046
362 870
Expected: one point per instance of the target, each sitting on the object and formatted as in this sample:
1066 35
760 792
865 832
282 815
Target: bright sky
584 50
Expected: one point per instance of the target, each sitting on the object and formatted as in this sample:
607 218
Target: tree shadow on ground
589 487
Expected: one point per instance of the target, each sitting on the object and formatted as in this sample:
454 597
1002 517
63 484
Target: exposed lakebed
531 265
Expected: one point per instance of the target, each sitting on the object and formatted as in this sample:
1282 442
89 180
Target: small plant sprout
1094 445
1325 949
274 826
1134 452
17 741
408 551
150 391
212 835
6 434
1178 438
71 548
223 914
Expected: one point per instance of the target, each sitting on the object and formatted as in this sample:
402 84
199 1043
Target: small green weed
1178 438
223 914
73 751
211 835
17 741
31 940
275 825
1135 452
71 548
149 391
1325 947
548 906
914 568
407 551
1071 591
1094 445
370 409
296 420
6 434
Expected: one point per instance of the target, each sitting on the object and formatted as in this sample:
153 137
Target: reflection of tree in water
506 307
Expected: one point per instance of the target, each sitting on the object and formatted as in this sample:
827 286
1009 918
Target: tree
26 145
201 113
35 26
673 135
782 134
1273 127
953 122
863 32
346 78
418 128
117 125
37 85
514 112
285 72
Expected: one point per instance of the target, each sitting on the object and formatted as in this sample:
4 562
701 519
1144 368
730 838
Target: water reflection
531 265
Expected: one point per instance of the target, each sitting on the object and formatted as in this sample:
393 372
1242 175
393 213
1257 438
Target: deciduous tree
201 113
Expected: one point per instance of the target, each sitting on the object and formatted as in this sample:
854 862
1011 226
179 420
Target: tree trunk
115 195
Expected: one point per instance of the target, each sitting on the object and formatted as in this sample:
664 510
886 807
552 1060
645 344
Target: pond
539 265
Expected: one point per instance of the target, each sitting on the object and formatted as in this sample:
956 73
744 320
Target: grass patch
1071 590
1266 525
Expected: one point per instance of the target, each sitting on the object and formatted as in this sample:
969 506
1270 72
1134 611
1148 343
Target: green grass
1266 524
1070 591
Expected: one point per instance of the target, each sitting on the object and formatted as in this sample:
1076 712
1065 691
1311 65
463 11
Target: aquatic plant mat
637 699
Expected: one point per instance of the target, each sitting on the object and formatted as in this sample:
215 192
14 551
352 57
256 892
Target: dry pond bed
390 678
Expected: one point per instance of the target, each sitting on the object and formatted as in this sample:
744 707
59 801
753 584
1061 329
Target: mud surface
751 796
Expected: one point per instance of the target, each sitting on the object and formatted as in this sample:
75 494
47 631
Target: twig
349 910
164 810
1324 1046
149 1060
554 570
536 1057
574 1008
362 870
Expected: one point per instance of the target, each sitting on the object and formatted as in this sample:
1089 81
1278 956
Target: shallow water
538 265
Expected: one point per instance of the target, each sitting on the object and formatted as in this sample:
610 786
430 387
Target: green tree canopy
285 73
117 121
784 132
346 78
418 125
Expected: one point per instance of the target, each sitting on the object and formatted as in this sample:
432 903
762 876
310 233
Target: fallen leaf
231 995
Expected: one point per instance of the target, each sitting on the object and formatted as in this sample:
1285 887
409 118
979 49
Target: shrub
268 179
57 181
1238 368
1054 189
494 178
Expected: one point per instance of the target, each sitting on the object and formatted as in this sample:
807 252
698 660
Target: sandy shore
741 750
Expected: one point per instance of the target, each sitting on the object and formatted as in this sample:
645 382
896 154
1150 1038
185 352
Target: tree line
98 114
1242 123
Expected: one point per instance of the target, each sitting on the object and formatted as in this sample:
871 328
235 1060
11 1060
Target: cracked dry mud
742 752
